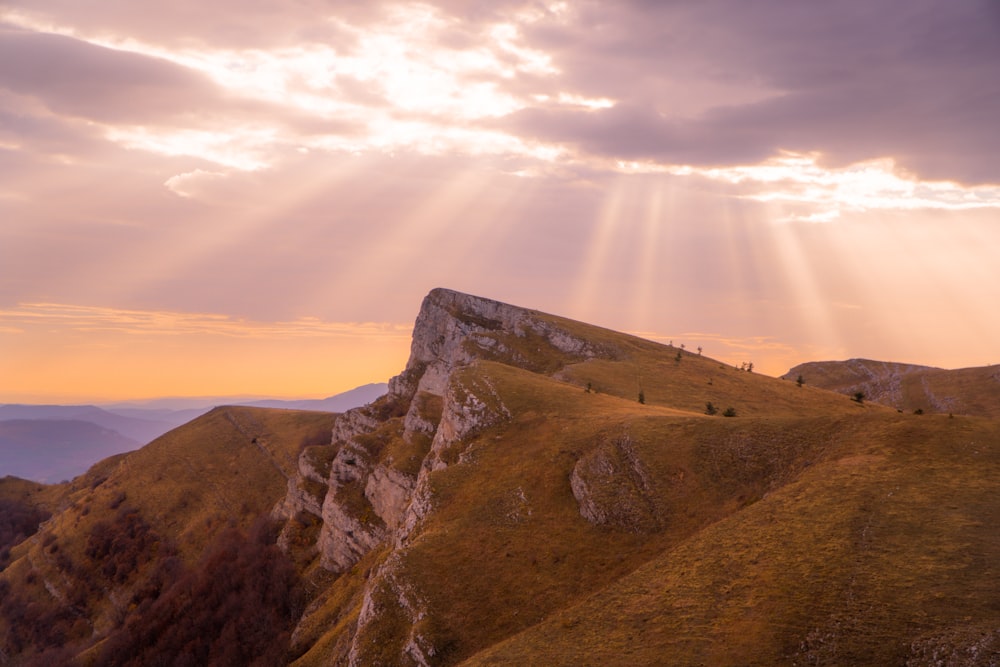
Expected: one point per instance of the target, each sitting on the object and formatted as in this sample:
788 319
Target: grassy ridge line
687 380
969 391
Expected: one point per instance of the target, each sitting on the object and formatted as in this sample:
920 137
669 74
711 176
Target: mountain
908 387
48 443
137 429
340 403
49 451
148 532
530 490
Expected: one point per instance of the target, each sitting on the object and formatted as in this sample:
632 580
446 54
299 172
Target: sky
235 198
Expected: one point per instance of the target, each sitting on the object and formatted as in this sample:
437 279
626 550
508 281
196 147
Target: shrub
18 521
729 412
237 607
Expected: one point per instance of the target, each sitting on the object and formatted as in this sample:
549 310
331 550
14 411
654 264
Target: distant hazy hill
138 429
54 442
55 450
908 387
340 403
530 491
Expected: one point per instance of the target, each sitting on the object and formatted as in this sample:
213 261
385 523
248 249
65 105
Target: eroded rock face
345 538
389 492
389 595
364 498
369 496
453 329
613 488
469 408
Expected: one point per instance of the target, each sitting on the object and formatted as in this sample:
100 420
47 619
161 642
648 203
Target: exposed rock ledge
613 487
366 499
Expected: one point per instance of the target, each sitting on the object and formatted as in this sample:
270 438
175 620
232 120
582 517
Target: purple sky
252 198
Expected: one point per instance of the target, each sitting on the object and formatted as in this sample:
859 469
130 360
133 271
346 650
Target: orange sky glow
227 200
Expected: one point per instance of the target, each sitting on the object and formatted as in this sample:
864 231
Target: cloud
713 83
808 191
622 162
915 81
80 79
94 319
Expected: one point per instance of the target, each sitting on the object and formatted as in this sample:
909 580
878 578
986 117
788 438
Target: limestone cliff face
371 488
368 495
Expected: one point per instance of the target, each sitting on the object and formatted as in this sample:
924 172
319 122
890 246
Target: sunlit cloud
91 319
809 192
397 82
190 183
244 149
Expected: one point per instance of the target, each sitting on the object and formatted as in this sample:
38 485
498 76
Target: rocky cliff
369 487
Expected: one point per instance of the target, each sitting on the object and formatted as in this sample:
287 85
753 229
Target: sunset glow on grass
279 166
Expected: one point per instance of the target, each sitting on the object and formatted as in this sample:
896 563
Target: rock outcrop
613 488
375 489
369 488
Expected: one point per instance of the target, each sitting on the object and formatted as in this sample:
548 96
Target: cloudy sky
208 198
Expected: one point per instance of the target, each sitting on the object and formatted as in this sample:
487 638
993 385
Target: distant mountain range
49 443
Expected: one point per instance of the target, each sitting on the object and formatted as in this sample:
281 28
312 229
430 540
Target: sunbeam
594 269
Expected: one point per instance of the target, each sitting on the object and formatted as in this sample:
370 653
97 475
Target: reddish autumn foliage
236 608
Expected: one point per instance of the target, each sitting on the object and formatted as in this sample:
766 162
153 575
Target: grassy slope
890 540
506 546
187 485
690 382
202 475
30 493
808 529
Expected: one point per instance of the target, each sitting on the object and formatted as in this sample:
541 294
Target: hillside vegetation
511 501
123 534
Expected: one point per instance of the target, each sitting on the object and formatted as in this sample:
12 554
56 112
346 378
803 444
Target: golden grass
889 539
968 391
762 521
223 469
506 545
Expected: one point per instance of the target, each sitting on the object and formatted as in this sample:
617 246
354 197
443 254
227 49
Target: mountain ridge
35 439
909 387
534 490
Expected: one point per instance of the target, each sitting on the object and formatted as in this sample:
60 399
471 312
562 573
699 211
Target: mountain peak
452 329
